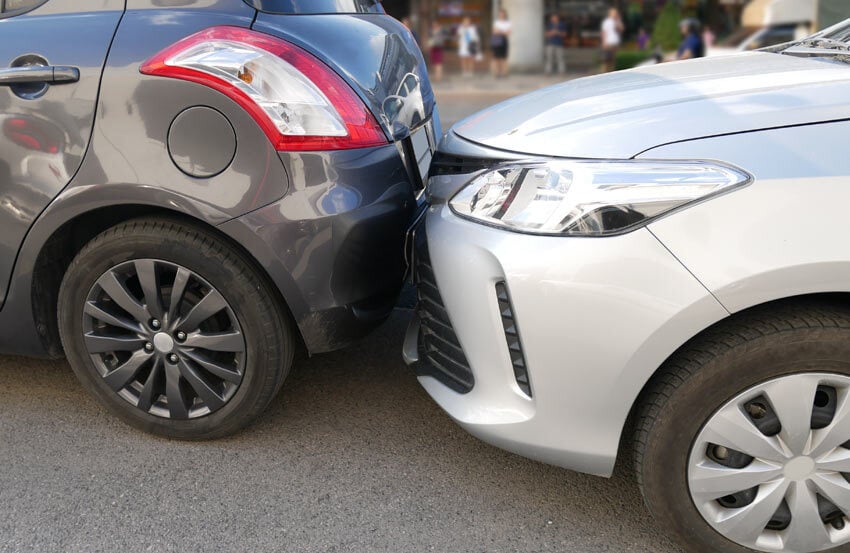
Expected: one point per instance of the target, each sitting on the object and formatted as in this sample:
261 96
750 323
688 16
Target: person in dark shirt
642 39
556 54
692 45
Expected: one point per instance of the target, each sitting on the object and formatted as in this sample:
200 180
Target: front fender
782 236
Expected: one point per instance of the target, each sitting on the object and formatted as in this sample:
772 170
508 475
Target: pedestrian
692 45
555 53
612 27
708 38
406 22
437 49
468 46
499 44
642 39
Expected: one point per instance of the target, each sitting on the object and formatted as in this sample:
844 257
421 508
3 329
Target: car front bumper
595 318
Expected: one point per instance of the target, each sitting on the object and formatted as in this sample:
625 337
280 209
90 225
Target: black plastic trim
447 164
441 354
512 339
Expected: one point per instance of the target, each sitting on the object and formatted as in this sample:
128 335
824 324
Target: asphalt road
352 457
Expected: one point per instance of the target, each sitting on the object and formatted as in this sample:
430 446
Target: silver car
658 260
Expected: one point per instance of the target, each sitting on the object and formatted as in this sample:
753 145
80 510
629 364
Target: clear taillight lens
296 99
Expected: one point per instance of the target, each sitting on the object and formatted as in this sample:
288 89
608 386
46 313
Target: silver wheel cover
800 470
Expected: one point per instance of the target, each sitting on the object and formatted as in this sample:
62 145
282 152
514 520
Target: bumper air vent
512 339
440 353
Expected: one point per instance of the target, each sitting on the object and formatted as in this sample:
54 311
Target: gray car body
337 263
599 316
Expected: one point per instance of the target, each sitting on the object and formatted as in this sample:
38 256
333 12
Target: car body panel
170 8
340 233
45 137
621 114
596 317
130 141
127 158
782 235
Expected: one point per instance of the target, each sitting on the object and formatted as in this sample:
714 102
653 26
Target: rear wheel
173 330
744 441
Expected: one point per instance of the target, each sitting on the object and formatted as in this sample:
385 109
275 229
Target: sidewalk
485 84
459 97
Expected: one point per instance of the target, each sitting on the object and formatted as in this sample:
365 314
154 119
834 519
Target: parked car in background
657 258
748 38
197 187
771 22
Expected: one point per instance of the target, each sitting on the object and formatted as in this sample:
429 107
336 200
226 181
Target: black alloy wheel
173 329
164 339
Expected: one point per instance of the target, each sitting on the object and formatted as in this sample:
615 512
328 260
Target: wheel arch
628 430
68 237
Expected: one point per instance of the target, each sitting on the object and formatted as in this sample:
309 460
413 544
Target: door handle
39 74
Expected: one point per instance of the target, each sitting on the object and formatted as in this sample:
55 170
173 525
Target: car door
51 59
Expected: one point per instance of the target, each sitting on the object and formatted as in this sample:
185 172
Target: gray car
192 190
656 260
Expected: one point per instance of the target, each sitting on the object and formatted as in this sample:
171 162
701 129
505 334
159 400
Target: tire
728 372
236 349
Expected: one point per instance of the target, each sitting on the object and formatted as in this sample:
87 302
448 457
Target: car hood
622 114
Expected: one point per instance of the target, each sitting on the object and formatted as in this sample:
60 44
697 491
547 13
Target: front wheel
173 330
744 441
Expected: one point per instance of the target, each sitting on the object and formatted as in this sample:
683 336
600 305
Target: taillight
298 101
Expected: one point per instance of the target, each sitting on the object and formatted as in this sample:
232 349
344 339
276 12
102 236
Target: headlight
589 198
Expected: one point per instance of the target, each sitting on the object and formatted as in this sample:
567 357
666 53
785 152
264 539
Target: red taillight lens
298 101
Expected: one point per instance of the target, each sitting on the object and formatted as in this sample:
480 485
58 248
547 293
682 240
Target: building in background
449 14
583 18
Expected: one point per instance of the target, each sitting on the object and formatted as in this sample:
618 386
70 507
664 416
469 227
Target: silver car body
598 316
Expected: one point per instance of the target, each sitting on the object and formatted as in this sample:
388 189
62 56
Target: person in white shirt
468 46
611 29
499 44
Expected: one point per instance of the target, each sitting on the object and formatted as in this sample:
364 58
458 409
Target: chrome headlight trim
561 197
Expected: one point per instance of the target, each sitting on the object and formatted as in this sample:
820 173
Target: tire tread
738 331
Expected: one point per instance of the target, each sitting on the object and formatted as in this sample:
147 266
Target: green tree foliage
626 59
666 32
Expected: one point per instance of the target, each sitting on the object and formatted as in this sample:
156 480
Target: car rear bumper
586 320
334 244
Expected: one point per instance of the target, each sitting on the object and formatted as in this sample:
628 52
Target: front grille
440 352
512 338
